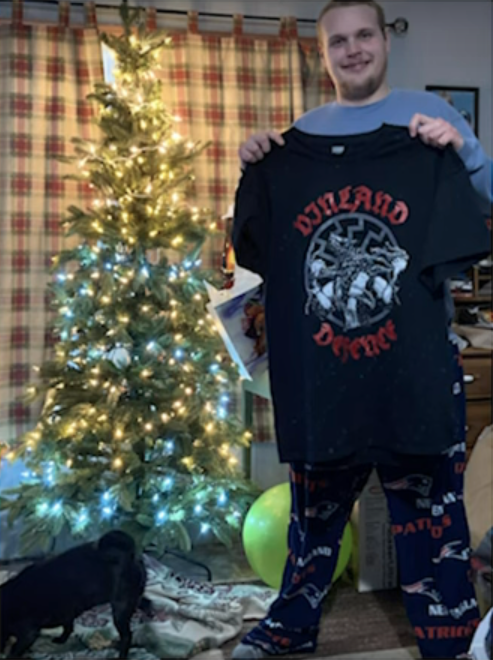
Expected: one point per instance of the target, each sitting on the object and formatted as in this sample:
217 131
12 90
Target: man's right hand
257 145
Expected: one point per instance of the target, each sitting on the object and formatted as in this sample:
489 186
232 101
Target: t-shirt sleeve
251 226
458 236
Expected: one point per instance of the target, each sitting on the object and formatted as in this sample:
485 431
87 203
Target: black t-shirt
355 237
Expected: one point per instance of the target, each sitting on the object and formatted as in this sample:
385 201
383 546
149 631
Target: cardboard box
481 643
374 558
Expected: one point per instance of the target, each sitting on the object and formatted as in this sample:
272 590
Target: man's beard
354 91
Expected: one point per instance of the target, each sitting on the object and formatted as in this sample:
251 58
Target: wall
449 43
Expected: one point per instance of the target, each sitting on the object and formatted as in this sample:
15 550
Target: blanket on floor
189 618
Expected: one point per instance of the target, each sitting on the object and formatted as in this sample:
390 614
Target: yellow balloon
265 537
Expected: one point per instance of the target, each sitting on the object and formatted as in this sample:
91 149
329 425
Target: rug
357 623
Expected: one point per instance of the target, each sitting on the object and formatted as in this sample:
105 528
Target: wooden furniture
477 380
477 362
478 276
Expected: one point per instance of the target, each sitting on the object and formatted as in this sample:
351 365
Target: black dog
55 592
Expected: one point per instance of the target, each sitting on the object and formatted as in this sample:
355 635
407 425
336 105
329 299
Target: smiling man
355 46
438 595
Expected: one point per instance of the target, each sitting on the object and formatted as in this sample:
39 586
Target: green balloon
265 537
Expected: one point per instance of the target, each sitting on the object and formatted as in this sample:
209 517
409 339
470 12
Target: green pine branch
135 430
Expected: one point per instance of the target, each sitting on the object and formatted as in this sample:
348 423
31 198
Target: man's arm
452 128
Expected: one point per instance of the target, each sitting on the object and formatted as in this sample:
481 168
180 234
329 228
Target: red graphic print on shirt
352 268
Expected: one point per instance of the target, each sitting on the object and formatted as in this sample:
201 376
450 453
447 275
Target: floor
381 614
383 624
393 654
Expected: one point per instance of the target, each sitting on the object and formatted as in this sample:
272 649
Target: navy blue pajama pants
425 499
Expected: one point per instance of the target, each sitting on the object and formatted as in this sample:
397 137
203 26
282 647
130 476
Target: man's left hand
435 131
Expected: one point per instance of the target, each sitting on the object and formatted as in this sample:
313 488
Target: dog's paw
7 646
63 638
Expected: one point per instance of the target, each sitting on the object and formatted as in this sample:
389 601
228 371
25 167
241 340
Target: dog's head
118 540
117 547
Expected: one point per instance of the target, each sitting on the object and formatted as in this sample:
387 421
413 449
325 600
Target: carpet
393 654
357 623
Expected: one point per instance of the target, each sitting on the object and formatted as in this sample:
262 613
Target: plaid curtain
310 87
314 84
224 88
45 74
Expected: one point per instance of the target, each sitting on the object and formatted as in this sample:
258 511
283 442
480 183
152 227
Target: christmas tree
135 431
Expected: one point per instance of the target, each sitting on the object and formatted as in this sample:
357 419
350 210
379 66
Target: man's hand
257 145
436 132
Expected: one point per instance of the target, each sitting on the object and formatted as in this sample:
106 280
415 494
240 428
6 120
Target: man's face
355 52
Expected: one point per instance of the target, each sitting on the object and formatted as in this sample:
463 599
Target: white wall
449 43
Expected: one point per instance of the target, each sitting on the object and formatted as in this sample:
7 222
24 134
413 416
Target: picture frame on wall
464 99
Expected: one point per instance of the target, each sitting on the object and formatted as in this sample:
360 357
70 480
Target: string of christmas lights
136 428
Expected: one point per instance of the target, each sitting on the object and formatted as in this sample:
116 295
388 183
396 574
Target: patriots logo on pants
422 588
324 510
418 482
459 448
312 593
449 552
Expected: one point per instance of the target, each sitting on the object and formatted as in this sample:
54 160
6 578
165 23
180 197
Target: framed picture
464 99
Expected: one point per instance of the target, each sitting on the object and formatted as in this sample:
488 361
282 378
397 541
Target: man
355 48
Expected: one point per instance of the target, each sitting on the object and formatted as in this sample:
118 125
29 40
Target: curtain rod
176 12
400 25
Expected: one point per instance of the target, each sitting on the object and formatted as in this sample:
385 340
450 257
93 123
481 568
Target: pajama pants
425 500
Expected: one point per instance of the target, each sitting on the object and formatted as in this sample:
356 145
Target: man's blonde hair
336 4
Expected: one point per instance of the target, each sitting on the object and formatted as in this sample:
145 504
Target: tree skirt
189 618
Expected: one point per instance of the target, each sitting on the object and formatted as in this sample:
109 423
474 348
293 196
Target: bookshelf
477 363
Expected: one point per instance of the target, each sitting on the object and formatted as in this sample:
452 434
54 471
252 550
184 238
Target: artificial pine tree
135 431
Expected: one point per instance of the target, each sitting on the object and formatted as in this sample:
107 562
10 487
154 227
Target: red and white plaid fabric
224 88
45 74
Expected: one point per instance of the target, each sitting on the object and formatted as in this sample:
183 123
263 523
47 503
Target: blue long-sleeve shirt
398 108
